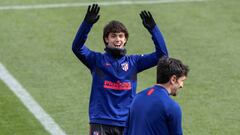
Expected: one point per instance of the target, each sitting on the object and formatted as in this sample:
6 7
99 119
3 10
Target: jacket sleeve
160 46
175 120
85 55
146 61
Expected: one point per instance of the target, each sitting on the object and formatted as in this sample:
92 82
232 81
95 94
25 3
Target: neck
166 86
116 52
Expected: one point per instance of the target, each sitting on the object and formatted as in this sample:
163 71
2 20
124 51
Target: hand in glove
92 16
147 20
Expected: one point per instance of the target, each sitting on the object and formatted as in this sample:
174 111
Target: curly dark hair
114 27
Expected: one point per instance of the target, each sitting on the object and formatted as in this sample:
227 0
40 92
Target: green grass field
36 48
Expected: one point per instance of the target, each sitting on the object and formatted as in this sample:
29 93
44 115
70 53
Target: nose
117 38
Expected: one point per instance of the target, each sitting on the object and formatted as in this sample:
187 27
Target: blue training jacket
114 81
153 112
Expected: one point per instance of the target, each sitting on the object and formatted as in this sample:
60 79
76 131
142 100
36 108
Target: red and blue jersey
114 80
153 112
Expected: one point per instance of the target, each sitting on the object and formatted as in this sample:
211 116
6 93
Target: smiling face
116 40
177 84
115 34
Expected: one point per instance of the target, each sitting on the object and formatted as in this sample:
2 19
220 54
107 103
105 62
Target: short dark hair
168 67
114 27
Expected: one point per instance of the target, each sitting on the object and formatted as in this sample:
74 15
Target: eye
113 35
121 35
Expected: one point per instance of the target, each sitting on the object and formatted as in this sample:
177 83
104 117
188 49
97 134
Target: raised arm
149 60
150 25
91 17
80 50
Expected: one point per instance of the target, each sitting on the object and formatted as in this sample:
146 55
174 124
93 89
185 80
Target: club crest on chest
125 66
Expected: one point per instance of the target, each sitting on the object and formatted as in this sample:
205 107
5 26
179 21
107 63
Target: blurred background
35 47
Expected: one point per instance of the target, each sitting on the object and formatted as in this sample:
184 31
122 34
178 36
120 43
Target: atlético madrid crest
125 66
96 133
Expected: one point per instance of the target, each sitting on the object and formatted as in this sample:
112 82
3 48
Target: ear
173 79
125 39
106 39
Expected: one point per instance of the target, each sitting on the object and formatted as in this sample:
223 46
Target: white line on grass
47 122
64 5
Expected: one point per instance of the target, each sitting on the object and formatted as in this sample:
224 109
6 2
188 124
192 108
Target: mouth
117 46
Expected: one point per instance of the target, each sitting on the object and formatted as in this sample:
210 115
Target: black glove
92 16
147 20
